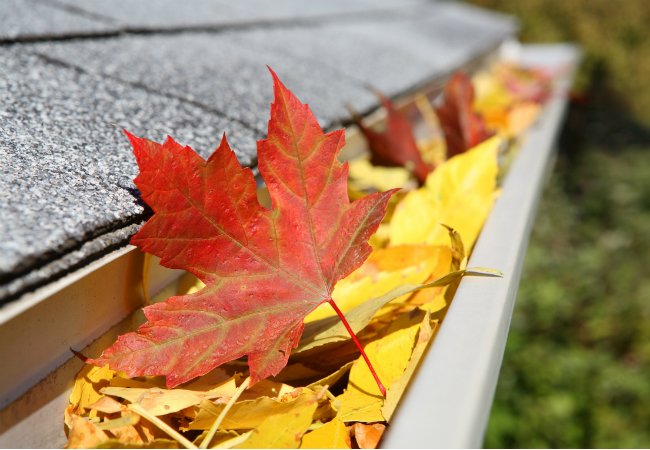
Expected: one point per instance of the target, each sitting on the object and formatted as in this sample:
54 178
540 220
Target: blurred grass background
576 372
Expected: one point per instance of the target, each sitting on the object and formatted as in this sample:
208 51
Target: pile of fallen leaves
290 330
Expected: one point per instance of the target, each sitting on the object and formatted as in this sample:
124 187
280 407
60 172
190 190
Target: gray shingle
162 14
301 9
166 14
223 71
393 56
66 168
28 19
459 30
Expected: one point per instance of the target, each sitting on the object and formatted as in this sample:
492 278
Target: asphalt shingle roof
74 73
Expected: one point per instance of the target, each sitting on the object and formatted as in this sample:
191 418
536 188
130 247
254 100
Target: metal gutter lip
448 401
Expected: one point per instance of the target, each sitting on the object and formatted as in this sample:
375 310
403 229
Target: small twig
162 425
328 393
222 415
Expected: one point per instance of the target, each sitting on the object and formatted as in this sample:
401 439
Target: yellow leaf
87 385
284 430
433 150
334 434
107 405
520 117
392 353
425 334
490 94
459 193
368 435
380 239
502 108
128 435
297 372
432 300
331 330
357 406
384 270
127 419
84 434
364 176
124 429
332 378
267 388
156 443
247 414
362 401
141 383
217 380
158 401
231 442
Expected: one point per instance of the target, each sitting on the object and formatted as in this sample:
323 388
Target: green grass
577 367
576 372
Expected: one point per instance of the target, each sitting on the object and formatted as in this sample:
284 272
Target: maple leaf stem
381 387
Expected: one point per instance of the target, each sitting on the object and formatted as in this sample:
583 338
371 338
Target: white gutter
448 402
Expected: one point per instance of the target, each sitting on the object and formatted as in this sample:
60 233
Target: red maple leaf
463 127
264 270
396 146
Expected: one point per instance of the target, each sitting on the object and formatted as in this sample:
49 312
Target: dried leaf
156 443
107 405
125 429
231 442
527 84
366 177
327 331
462 126
248 414
267 388
384 270
333 434
509 97
521 117
396 145
217 380
332 378
88 382
396 390
357 406
158 401
127 419
459 193
284 430
297 373
84 434
367 435
362 401
140 383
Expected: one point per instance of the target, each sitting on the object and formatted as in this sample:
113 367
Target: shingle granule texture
28 19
